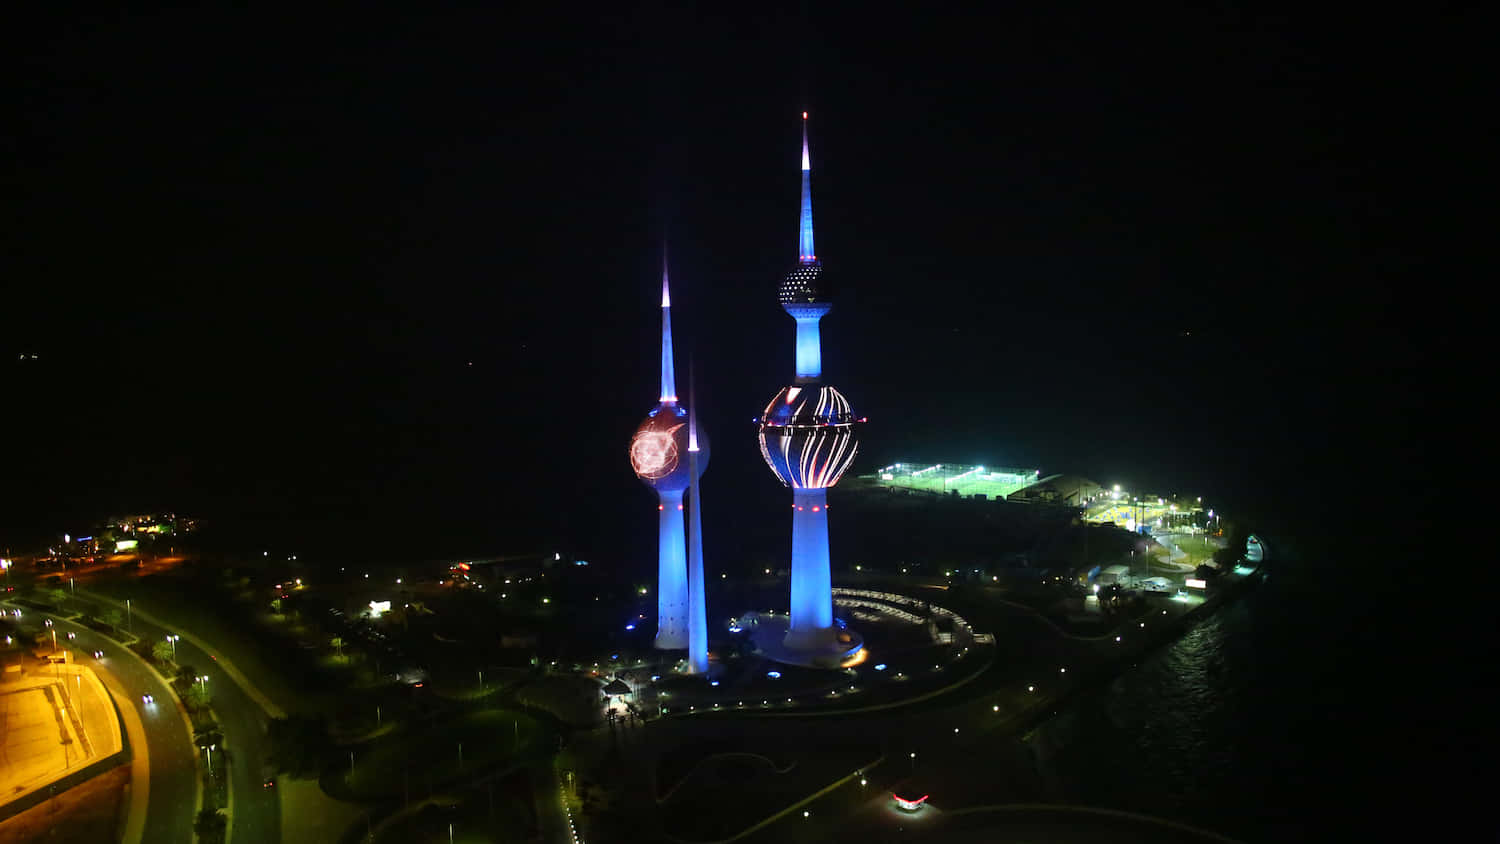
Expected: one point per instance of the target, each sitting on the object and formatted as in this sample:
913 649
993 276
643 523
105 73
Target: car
98 654
269 783
47 622
148 698
72 635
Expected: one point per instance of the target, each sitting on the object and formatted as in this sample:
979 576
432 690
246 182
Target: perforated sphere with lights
807 435
804 285
659 448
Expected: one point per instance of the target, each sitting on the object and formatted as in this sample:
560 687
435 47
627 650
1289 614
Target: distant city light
774 675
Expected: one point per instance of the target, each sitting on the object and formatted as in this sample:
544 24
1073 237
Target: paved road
256 815
173 791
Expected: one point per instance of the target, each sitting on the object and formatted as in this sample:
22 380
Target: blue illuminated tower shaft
671 574
809 340
812 594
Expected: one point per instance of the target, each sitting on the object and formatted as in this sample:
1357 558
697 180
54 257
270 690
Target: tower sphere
659 448
807 435
805 285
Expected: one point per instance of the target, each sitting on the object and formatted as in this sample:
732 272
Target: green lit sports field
946 478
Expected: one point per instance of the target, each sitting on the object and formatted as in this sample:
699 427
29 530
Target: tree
197 696
162 652
276 605
338 644
57 596
114 618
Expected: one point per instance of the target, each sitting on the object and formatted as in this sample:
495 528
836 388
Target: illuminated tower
697 600
658 453
807 438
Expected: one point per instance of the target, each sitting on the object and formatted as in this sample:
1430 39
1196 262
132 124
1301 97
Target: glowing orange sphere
659 448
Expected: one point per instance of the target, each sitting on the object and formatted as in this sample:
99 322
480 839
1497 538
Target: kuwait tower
807 438
659 456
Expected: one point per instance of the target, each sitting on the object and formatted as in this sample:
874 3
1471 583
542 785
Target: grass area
272 663
89 811
712 804
425 759
473 820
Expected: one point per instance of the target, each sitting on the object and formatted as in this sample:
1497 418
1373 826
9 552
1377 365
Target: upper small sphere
804 286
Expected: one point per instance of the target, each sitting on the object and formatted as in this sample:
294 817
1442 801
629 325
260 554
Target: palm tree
162 652
197 696
338 645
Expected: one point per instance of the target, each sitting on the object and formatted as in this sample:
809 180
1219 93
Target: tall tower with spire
697 598
659 457
807 437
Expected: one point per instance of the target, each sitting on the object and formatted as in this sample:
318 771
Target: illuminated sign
378 607
909 805
126 544
1194 583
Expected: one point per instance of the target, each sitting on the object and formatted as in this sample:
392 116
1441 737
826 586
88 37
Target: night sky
394 274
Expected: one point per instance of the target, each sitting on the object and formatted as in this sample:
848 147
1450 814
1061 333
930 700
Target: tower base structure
835 647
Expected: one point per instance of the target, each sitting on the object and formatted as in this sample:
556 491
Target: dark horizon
256 260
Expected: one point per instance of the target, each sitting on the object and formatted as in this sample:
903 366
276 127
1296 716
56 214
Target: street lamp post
173 639
128 625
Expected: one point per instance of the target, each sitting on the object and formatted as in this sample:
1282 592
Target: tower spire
668 374
806 252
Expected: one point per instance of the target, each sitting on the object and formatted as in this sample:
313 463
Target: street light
173 639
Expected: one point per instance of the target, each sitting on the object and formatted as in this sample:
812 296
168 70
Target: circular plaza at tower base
834 647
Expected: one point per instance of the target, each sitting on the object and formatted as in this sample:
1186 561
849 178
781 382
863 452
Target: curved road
256 815
172 787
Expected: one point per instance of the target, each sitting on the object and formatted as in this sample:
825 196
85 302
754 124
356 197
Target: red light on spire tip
804 115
